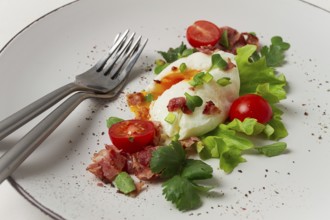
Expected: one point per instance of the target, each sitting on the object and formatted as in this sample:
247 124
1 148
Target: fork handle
18 119
26 145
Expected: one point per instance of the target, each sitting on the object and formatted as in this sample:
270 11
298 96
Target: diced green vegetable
182 67
170 118
224 81
124 183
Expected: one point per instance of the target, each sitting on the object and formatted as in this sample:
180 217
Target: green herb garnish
113 120
172 55
224 39
180 188
193 101
218 62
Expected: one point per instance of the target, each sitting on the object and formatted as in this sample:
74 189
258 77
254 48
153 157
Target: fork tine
111 63
125 57
118 42
132 56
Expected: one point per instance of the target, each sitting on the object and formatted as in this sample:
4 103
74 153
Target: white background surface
14 16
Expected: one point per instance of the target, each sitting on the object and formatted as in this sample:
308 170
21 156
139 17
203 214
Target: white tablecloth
14 16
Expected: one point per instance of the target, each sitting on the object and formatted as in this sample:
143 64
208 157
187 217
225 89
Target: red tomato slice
132 135
203 33
251 106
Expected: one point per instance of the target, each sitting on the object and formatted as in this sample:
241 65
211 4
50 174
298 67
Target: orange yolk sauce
137 101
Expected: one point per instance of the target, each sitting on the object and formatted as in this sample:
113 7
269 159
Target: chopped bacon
139 164
178 103
158 133
230 64
186 143
107 163
135 98
235 40
211 109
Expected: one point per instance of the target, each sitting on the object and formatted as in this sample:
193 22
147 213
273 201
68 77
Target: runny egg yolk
141 109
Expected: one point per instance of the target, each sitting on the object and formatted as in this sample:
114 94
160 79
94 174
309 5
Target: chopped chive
182 67
170 118
224 81
197 79
207 77
224 39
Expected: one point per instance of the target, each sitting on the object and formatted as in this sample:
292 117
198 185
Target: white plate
52 50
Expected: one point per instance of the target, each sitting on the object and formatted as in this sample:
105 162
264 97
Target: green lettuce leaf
272 150
258 77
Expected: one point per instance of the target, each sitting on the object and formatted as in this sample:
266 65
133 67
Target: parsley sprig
180 188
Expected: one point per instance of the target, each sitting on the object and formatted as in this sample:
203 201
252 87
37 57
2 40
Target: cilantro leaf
182 193
172 54
196 170
168 160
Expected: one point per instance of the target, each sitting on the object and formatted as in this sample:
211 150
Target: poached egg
172 83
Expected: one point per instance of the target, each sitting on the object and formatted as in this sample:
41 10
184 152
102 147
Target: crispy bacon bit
230 64
186 143
135 98
107 163
158 133
157 81
174 68
139 164
211 109
178 103
235 40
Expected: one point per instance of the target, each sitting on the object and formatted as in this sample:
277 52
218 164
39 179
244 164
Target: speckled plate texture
52 50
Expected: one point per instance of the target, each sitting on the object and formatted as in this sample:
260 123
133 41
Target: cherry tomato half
203 33
251 106
132 135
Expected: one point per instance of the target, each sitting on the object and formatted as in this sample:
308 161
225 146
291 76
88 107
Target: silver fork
116 76
95 79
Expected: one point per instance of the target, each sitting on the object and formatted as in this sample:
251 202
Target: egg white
197 123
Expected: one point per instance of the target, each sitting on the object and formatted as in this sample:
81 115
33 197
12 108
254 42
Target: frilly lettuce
229 141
